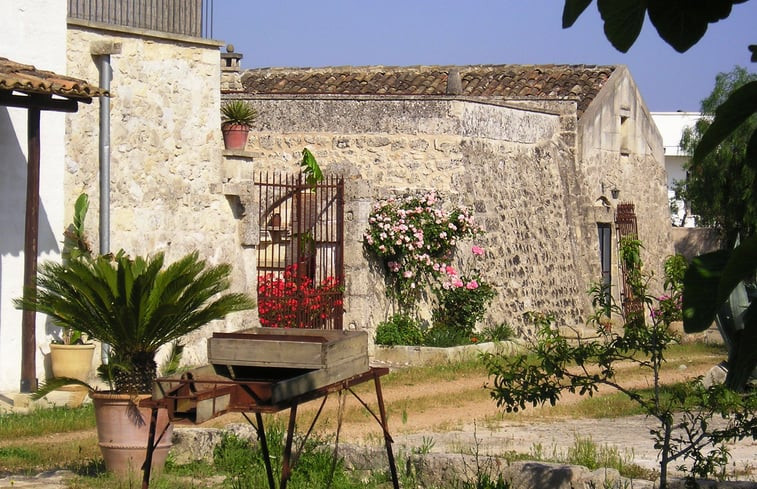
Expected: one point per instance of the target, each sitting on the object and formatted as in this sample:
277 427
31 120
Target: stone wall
621 148
538 178
513 178
166 155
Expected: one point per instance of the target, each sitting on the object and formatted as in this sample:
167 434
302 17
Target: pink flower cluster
455 281
415 237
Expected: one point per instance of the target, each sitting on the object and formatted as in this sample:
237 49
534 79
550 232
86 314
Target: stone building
544 154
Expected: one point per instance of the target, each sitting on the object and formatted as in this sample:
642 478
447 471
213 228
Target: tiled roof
28 79
581 82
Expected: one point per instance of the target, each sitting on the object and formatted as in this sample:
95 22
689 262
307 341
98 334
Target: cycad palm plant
135 306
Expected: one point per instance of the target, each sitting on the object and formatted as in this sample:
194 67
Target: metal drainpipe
104 153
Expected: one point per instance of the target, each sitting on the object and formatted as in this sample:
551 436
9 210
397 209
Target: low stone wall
691 242
406 356
443 469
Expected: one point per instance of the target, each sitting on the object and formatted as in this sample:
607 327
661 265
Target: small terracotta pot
123 429
235 136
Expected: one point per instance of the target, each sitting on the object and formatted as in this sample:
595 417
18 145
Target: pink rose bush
414 238
462 301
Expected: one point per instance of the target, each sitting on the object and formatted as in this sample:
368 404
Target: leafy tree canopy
680 23
721 185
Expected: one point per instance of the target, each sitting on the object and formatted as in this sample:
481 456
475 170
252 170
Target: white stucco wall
671 126
33 33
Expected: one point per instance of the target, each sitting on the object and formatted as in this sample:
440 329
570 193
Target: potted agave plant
135 306
237 117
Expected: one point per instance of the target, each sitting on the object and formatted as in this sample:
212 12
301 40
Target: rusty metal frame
249 396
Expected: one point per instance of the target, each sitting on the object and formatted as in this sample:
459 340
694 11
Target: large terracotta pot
123 430
234 136
73 361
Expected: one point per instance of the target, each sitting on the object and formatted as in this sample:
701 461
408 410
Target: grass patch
589 454
44 421
25 457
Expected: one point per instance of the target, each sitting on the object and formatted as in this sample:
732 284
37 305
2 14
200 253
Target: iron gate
625 225
301 251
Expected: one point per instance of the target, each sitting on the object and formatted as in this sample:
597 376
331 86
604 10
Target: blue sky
412 32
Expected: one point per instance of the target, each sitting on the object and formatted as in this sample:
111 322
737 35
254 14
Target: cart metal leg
260 429
385 428
150 449
286 469
151 444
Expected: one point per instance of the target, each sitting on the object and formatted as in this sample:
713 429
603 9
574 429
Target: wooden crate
288 348
294 361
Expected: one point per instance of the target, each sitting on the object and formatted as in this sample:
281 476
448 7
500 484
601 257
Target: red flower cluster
291 300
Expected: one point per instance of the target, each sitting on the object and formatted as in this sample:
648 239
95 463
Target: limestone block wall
621 148
387 146
166 158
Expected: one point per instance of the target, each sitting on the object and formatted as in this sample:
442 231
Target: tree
711 279
721 185
555 364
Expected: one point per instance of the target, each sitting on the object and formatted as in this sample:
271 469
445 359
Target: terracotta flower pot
73 361
235 136
122 433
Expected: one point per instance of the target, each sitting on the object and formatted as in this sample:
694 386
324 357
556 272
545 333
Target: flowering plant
462 300
292 300
668 308
414 237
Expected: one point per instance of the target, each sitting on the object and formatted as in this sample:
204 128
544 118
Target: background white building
671 126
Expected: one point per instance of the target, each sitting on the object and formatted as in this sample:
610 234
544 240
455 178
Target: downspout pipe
102 50
104 157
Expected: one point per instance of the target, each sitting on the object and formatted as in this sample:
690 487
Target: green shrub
499 332
443 335
400 329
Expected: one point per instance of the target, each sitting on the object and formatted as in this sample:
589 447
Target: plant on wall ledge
414 238
237 116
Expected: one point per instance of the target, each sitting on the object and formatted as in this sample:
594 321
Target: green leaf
708 283
743 359
739 106
56 383
682 23
80 212
740 267
310 168
700 284
623 21
572 10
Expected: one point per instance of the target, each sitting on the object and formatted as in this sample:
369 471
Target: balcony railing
185 17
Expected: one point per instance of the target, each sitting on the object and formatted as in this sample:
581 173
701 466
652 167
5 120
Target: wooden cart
267 370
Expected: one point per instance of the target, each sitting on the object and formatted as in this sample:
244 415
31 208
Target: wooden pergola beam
40 102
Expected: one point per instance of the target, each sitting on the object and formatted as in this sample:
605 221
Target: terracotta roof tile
28 79
506 81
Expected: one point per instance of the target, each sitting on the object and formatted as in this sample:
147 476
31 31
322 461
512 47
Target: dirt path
458 415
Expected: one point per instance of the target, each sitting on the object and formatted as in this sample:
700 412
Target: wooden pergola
36 90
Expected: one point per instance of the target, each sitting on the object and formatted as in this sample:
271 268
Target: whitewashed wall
33 33
671 126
